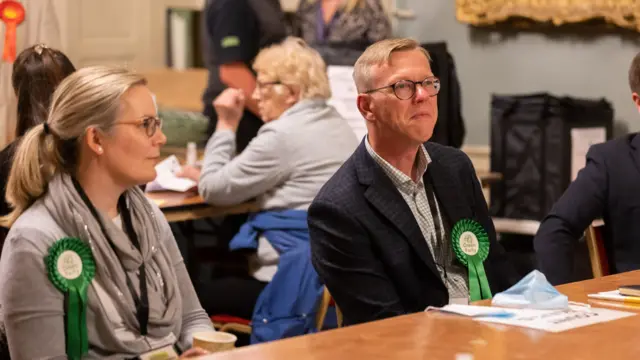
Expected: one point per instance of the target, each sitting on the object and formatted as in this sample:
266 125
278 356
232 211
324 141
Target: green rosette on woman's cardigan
71 267
471 245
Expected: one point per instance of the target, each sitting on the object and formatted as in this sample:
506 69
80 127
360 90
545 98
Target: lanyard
438 226
141 302
322 30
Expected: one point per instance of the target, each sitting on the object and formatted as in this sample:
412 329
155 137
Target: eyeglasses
406 89
263 85
149 123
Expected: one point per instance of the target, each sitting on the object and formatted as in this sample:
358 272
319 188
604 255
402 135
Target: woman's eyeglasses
150 124
406 89
263 86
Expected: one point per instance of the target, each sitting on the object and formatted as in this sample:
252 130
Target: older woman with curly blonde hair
302 144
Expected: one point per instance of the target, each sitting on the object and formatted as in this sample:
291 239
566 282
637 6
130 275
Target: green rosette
471 245
71 267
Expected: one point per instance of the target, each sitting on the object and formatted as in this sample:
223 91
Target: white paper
581 141
547 320
166 178
613 295
344 96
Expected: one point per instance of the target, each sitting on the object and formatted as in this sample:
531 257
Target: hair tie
47 130
38 48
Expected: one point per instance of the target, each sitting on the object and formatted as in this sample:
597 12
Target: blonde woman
90 268
349 22
301 145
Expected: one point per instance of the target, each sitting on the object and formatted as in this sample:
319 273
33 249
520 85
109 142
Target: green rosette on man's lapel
71 267
471 245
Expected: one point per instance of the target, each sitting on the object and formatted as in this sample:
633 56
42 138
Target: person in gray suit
301 145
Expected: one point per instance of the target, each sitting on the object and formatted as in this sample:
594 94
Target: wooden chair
597 253
326 302
240 325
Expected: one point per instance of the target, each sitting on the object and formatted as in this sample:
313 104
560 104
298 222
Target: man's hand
229 106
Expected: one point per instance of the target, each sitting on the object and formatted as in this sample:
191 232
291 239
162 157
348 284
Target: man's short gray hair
378 54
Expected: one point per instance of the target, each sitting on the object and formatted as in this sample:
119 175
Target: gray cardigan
37 307
285 165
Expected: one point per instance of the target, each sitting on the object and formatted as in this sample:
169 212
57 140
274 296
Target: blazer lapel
634 151
448 193
384 197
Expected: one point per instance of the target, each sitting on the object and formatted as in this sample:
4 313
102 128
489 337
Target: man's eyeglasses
405 89
149 123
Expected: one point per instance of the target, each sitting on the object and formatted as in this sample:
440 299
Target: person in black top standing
234 33
37 72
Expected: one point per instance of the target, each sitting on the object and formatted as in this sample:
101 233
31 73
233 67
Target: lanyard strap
141 302
438 226
322 30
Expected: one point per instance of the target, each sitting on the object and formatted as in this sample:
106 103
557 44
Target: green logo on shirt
230 41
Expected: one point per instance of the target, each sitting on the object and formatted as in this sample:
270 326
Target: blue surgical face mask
532 292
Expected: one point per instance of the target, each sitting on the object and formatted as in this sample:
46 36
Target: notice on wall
581 141
343 97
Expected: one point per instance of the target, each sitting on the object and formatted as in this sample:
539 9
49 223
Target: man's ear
636 99
94 140
365 106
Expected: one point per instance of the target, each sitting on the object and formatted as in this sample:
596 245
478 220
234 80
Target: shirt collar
398 177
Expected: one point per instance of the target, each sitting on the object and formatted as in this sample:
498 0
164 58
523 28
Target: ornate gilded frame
623 13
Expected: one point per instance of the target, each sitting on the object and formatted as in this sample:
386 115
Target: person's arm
229 180
237 75
232 29
380 25
33 308
581 203
342 255
194 318
505 272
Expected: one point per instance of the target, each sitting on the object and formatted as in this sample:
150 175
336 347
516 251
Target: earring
99 149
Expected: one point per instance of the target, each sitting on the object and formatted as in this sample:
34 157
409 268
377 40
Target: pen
619 298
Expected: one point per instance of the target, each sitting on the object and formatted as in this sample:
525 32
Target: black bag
531 148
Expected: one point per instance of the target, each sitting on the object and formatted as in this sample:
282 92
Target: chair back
597 252
323 308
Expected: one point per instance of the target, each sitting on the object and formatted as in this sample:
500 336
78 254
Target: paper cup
214 341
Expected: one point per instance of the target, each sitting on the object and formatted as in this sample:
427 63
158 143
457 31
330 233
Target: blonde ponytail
34 163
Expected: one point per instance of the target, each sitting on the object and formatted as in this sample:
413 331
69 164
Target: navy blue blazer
608 187
368 248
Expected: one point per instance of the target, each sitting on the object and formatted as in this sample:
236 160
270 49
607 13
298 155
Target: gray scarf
165 304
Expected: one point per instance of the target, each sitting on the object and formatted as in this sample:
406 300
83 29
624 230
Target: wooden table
178 206
441 336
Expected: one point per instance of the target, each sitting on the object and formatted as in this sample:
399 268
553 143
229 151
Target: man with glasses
381 227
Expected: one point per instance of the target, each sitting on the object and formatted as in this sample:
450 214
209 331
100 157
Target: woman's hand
194 353
229 106
189 172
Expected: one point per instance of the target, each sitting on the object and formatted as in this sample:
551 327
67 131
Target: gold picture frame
622 13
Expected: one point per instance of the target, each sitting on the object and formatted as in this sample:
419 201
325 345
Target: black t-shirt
6 158
231 35
235 31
